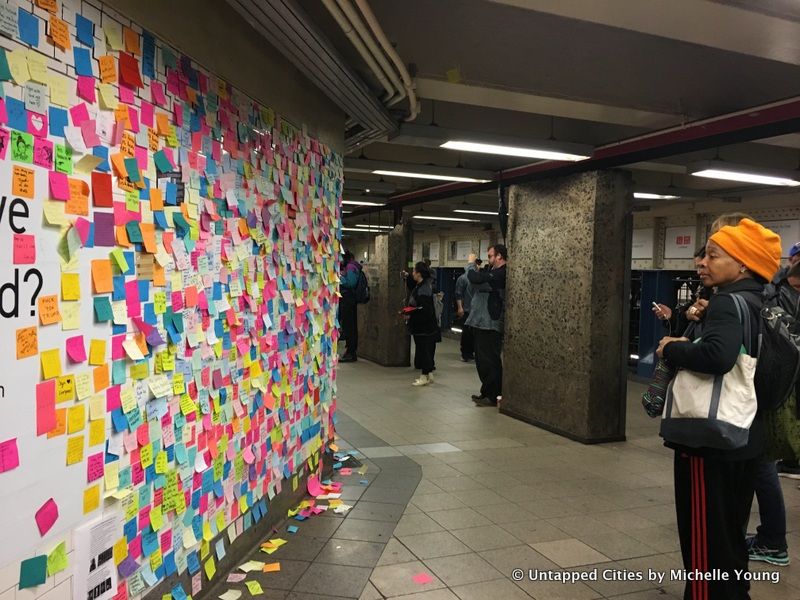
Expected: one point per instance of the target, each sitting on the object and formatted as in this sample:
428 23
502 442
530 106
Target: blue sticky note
192 563
292 528
83 61
28 25
101 152
85 30
17 116
58 119
102 309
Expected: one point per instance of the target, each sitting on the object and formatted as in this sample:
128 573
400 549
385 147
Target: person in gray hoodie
463 296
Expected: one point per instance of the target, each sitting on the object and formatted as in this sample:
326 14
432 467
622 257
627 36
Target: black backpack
362 288
778 354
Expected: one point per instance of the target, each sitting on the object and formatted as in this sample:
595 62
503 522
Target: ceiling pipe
755 123
372 21
376 52
354 38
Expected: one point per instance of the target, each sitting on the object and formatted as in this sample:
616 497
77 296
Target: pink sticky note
46 516
422 578
83 227
59 186
76 349
24 249
146 114
157 93
45 406
37 124
89 131
345 471
9 455
79 114
314 488
3 111
95 467
134 116
126 94
5 140
86 88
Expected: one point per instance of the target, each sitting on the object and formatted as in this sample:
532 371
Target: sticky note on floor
254 588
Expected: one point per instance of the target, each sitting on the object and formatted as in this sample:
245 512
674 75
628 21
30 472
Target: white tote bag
714 411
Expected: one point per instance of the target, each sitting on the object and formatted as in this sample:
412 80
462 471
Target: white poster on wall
95 576
642 246
483 253
434 252
463 249
680 242
789 232
417 254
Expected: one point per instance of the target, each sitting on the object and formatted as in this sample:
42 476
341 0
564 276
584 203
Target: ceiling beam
733 29
490 97
362 165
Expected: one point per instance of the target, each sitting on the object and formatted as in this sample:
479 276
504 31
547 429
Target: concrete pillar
566 329
382 335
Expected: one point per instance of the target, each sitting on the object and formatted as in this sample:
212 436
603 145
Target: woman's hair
423 270
731 219
348 256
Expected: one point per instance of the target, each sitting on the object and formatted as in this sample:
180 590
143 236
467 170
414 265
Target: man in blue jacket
348 308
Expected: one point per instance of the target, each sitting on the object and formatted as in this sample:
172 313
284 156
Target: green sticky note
134 232
119 259
57 559
162 162
63 159
132 201
33 572
132 167
21 146
254 587
5 72
168 58
102 309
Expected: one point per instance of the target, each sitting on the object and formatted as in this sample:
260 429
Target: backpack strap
744 318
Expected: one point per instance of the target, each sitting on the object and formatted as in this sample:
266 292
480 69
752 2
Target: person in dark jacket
714 488
463 296
348 308
422 323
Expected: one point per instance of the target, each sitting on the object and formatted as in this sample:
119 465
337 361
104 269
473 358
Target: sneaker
348 358
483 401
421 380
788 470
779 558
430 377
477 396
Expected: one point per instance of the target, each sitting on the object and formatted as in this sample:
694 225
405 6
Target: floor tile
365 531
454 484
333 580
462 569
419 522
398 580
433 545
458 518
504 513
351 552
290 573
488 537
394 553
369 593
570 553
440 594
379 452
431 502
618 546
498 589
377 511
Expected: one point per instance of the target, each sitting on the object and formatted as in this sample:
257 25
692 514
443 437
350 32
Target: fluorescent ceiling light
445 219
475 212
717 169
511 151
374 226
361 230
361 203
649 196
430 176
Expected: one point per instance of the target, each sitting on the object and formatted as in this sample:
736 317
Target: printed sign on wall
680 242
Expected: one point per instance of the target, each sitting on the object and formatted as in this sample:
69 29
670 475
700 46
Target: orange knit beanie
753 245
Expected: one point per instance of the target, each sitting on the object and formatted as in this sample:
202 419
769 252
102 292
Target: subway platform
456 502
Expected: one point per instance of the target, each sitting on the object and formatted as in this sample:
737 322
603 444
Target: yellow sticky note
70 316
220 521
37 67
59 91
161 462
18 65
97 433
254 588
156 559
83 386
54 212
210 568
208 535
65 388
108 97
97 352
111 475
51 363
97 404
70 286
75 449
120 550
76 418
91 499
113 33
146 456
156 518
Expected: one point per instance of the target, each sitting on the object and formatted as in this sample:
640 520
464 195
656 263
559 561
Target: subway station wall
168 299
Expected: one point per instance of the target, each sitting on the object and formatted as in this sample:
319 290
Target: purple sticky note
104 230
127 567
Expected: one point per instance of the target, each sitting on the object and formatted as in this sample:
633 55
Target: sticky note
18 65
210 568
272 567
51 363
70 286
28 28
94 467
75 449
102 277
45 407
59 33
76 350
27 342
91 499
24 249
57 560
85 31
48 310
97 352
46 516
254 588
97 433
22 180
32 571
9 455
76 418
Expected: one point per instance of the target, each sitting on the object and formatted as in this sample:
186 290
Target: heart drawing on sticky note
37 123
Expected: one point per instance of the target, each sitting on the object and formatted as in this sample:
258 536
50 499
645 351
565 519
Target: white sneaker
430 377
421 380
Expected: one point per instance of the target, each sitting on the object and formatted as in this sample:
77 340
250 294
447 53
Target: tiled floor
497 495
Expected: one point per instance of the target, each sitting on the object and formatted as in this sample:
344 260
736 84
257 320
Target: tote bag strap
744 318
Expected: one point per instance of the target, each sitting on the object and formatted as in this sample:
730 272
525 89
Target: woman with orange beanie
714 488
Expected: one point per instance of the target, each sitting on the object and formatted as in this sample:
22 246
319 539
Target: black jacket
422 321
717 351
494 277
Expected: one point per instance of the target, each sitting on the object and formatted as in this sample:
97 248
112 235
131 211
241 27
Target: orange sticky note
102 276
48 310
59 32
271 567
108 69
50 6
156 199
118 160
51 363
78 203
61 424
149 237
101 378
162 123
97 352
27 342
131 40
121 114
22 183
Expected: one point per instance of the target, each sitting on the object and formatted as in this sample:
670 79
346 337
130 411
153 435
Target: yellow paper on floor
254 587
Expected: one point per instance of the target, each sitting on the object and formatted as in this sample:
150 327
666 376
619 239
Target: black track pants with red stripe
712 500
